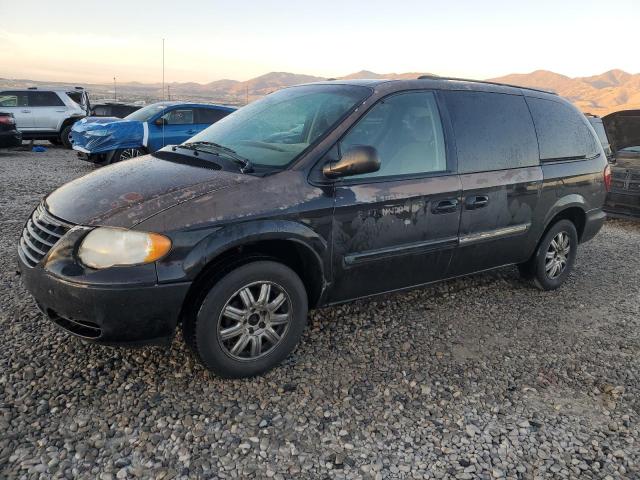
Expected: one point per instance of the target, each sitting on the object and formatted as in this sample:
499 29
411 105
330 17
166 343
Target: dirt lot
482 377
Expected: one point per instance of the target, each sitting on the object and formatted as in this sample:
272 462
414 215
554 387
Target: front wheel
553 260
126 154
65 136
249 321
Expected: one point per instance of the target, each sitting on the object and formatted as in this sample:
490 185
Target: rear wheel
249 321
553 260
65 136
126 154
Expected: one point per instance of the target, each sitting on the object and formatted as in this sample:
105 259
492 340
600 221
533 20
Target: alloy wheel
557 255
254 320
129 153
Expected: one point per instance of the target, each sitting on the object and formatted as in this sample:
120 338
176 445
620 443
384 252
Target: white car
46 113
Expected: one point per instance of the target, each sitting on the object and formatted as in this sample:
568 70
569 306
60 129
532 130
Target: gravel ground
482 377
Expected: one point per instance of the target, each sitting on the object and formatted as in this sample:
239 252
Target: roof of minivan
441 83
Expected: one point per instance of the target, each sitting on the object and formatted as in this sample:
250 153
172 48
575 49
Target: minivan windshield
145 113
274 130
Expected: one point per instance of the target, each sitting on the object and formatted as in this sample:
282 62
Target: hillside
599 94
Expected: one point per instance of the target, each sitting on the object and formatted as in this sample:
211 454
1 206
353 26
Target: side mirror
355 161
160 121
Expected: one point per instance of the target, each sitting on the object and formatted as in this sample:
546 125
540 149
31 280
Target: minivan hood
623 129
129 192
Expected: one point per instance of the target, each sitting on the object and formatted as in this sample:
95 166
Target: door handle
26 111
445 206
191 132
477 201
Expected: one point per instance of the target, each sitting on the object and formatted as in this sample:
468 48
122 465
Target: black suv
315 195
623 129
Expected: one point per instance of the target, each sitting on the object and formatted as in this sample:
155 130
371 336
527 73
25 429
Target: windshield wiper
245 165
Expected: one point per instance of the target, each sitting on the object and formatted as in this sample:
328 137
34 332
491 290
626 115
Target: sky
207 40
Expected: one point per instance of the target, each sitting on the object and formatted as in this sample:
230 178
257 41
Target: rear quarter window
493 131
562 131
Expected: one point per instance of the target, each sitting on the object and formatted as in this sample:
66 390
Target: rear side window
209 115
101 111
493 131
562 131
13 99
44 99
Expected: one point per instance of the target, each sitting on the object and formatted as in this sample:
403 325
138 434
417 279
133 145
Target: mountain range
598 94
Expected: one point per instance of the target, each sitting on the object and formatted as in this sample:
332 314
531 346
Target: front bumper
110 314
87 156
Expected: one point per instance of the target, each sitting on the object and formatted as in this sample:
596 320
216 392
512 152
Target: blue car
108 139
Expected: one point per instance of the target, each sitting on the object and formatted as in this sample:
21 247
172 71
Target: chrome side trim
493 234
407 249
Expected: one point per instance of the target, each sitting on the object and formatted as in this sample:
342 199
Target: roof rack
44 87
456 79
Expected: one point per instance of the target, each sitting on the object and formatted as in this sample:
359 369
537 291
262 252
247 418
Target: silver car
46 113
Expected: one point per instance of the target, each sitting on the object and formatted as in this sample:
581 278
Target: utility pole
115 91
163 69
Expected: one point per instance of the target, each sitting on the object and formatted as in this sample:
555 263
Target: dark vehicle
315 195
10 136
113 109
623 129
598 127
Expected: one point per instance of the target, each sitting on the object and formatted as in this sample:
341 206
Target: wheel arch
571 207
68 121
287 242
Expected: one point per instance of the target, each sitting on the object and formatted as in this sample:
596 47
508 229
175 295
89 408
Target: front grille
41 232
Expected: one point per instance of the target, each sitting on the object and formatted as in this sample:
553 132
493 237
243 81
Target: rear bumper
10 138
623 204
593 223
111 315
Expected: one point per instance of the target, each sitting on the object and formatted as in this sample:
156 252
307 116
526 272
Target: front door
398 226
178 127
499 166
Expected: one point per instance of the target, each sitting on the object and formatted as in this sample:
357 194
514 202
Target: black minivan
315 195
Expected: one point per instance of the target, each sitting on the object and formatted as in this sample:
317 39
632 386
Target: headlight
105 247
98 133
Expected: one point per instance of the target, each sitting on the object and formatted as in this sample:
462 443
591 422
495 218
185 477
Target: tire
552 263
248 321
126 154
65 139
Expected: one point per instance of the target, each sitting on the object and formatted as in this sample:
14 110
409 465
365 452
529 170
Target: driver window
406 131
179 117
